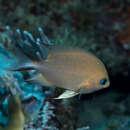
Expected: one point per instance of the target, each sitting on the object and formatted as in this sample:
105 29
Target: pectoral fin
67 94
40 79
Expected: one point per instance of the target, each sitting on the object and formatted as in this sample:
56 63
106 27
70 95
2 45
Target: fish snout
104 83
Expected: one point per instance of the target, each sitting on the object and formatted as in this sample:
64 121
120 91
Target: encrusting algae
16 114
73 69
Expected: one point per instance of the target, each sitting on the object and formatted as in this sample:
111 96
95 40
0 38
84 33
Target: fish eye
103 81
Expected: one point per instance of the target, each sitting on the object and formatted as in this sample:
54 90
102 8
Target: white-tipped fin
67 94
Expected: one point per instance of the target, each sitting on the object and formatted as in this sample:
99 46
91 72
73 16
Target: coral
39 110
14 83
101 27
44 120
47 113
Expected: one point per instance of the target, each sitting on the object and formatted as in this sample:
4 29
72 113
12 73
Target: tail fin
21 62
25 49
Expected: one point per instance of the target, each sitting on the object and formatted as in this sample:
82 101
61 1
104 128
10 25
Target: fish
72 69
16 114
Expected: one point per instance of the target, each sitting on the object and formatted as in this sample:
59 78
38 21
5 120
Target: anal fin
67 94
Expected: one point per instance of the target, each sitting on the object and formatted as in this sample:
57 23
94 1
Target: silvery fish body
70 68
74 69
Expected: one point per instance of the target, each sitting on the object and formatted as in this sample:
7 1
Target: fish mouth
107 85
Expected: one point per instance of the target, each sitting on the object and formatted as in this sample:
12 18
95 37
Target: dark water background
101 27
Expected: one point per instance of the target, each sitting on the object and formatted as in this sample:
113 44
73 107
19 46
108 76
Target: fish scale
70 68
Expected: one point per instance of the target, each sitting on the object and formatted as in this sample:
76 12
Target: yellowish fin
40 79
67 94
